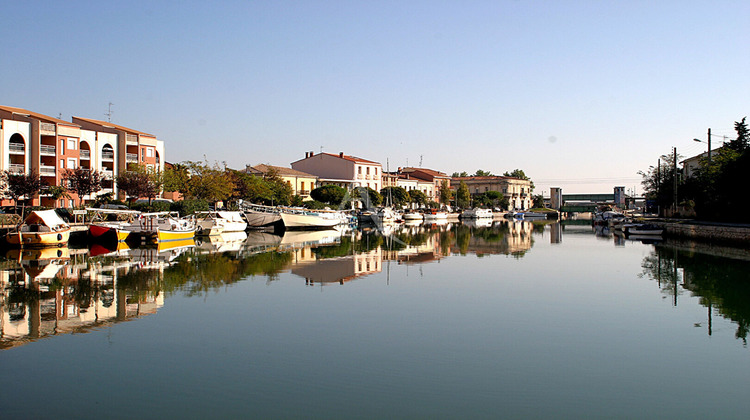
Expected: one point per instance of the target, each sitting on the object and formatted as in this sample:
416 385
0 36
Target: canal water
496 320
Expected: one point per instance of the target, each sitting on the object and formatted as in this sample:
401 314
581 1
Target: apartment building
34 142
342 170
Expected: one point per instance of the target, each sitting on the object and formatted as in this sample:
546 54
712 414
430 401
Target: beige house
518 191
301 182
342 170
429 181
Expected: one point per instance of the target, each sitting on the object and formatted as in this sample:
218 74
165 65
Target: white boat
257 215
413 216
40 228
311 219
435 215
384 215
640 229
218 222
476 213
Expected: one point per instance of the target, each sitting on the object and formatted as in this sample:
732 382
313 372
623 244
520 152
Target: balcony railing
47 129
108 155
17 148
303 192
17 168
47 150
45 170
131 157
85 154
109 174
131 139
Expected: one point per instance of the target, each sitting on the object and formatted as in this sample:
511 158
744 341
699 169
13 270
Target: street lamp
708 142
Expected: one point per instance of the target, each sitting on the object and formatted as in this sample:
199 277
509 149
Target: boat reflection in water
59 290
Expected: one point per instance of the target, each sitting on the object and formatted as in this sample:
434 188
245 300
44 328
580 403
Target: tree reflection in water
721 283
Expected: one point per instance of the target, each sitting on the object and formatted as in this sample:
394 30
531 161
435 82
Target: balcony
17 168
131 157
131 139
108 173
86 154
46 170
47 129
108 156
16 148
303 192
47 150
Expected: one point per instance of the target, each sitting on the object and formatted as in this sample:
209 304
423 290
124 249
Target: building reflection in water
60 290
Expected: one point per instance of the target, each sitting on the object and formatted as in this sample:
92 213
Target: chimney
311 153
341 154
307 155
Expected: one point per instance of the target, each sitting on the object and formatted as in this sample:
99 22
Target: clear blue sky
578 94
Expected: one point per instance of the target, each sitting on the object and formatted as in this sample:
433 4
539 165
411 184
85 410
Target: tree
330 194
397 196
658 181
418 197
83 181
176 179
518 173
742 142
460 175
139 181
281 191
491 199
463 197
480 172
56 192
445 193
21 185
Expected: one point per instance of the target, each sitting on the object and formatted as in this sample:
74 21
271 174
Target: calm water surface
513 320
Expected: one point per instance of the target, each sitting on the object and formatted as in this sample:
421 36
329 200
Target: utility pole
709 145
675 181
658 187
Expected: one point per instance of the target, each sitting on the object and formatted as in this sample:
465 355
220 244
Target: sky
580 95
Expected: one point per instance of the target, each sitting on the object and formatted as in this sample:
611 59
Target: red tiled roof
36 115
425 171
345 157
107 124
263 168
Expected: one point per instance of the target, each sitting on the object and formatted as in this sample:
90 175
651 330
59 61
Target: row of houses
34 142
319 169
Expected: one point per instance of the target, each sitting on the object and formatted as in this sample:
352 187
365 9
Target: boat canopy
45 217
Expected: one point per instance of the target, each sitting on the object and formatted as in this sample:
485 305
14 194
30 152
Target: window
359 170
368 170
71 163
62 147
72 144
143 154
150 152
62 163
376 171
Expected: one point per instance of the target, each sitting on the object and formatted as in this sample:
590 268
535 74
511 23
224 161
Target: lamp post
709 143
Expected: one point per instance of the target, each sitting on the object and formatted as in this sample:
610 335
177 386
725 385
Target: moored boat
257 215
435 215
311 219
40 228
218 222
641 229
476 213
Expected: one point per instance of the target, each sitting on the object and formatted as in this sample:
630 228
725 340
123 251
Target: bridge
585 203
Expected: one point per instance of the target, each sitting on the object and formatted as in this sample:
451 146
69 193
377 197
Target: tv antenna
109 112
420 161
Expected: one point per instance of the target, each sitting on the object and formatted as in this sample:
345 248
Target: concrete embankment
736 234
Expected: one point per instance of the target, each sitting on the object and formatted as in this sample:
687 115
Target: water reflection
717 276
61 290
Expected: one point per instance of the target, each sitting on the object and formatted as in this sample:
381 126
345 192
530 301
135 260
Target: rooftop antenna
109 112
420 161
321 149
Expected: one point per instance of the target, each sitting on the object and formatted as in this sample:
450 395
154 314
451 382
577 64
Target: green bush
186 207
153 207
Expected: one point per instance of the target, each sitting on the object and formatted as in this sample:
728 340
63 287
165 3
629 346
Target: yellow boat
40 228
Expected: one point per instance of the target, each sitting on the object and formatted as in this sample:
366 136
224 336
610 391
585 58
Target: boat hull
305 221
40 239
164 235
